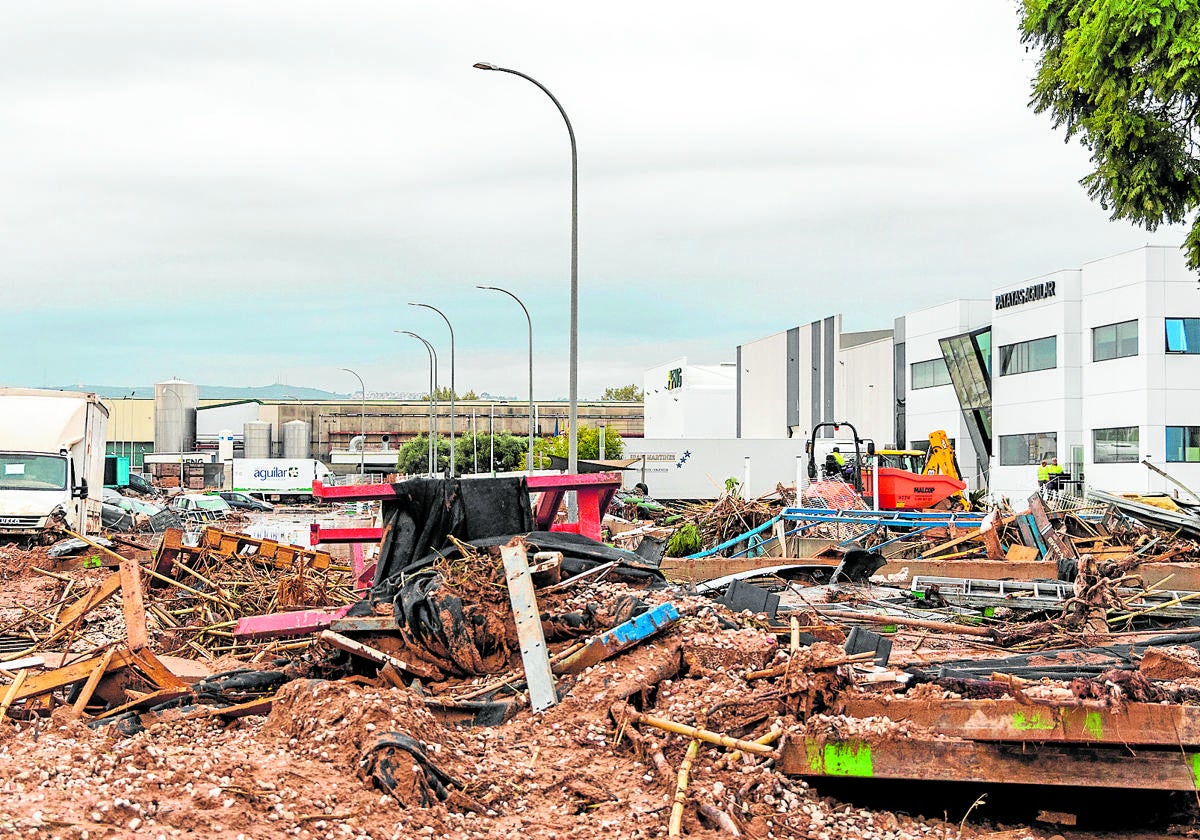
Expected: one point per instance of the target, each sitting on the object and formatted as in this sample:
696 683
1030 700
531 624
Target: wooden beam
976 761
133 604
89 687
73 673
99 593
1145 724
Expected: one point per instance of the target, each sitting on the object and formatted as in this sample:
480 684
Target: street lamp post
447 320
362 422
529 321
432 395
573 433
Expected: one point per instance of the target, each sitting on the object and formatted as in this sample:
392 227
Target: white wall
863 390
764 387
704 405
1039 401
694 468
1152 390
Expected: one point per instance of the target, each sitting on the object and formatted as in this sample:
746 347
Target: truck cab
34 487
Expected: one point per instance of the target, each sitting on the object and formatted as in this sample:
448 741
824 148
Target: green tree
589 445
443 394
622 393
1124 76
413 457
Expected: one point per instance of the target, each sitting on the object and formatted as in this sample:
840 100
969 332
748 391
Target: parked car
138 484
111 496
201 507
244 501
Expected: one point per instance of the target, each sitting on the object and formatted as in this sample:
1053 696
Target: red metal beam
318 535
298 623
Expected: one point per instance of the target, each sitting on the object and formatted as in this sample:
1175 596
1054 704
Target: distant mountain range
213 392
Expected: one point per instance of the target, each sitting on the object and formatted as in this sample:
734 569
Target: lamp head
484 65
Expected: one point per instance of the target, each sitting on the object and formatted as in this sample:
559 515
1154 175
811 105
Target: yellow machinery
940 460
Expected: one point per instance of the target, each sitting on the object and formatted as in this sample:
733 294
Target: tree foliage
1124 77
443 394
622 393
413 457
588 443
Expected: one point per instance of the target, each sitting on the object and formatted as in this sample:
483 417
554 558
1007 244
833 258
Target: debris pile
495 682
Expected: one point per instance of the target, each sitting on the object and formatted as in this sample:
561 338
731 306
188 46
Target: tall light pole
529 321
573 433
432 395
362 422
447 320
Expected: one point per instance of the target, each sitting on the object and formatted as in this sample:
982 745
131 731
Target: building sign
1038 291
675 379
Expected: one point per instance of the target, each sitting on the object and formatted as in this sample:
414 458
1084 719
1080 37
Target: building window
1118 445
1183 444
1183 335
1023 450
1026 356
930 374
1115 341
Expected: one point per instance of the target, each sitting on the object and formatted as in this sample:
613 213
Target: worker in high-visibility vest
1043 474
837 456
1056 474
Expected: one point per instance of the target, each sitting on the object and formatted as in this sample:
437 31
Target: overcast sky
242 193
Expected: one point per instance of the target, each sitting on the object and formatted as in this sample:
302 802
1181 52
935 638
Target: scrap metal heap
496 680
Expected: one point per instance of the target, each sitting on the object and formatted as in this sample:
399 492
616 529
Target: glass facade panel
967 359
1027 356
1183 444
1183 335
930 374
1114 341
1026 450
1117 445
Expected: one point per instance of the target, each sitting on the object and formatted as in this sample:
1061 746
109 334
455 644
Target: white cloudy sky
241 193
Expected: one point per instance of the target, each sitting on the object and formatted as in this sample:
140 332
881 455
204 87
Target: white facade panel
764 387
683 400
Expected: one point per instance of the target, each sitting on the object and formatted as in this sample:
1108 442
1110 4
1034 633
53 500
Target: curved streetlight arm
452 393
432 393
529 321
573 435
362 422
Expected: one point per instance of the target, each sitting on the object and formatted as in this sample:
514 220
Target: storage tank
297 439
256 438
175 404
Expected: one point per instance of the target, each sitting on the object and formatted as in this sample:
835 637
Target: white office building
1098 367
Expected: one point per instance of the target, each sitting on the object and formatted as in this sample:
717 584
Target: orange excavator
908 485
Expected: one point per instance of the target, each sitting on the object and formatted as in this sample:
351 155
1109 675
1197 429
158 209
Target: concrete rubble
215 684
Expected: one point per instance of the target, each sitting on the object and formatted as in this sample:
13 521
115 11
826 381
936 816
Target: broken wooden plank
133 604
145 701
261 706
89 687
10 695
1144 724
99 593
155 671
979 761
365 651
72 673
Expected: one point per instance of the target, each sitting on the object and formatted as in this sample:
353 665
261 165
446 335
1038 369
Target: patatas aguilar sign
1038 291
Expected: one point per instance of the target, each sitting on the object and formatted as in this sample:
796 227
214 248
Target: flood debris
221 683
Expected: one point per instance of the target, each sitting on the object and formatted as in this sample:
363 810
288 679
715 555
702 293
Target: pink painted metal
298 623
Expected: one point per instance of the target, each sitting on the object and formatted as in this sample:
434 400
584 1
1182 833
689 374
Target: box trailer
699 468
277 478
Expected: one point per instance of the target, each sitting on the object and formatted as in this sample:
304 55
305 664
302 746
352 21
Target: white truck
51 461
274 478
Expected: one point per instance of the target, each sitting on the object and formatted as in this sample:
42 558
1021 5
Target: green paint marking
888 628
1093 724
1194 760
1037 721
852 758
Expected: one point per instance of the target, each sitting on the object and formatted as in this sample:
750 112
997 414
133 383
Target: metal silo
256 437
297 439
175 404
